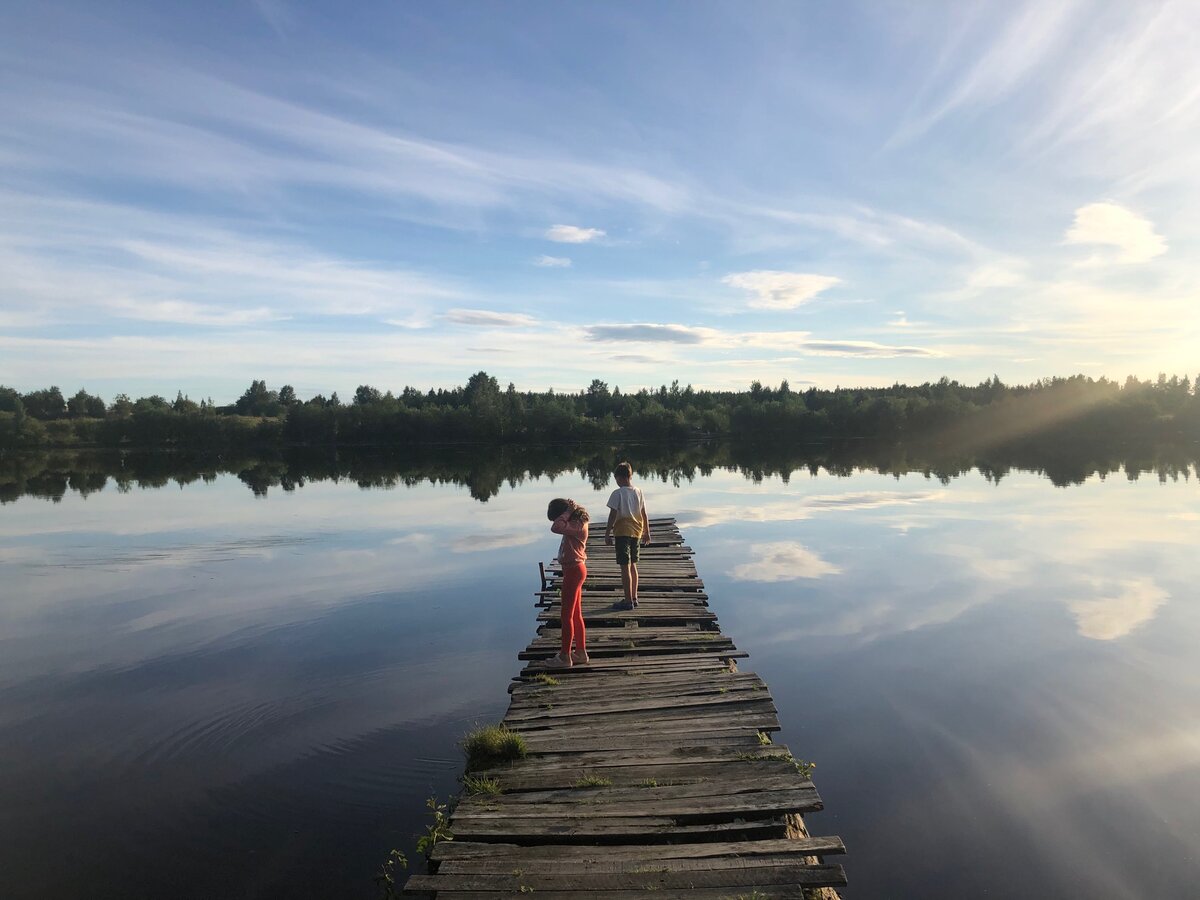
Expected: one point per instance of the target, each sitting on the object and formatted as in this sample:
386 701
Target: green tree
598 399
184 405
482 391
257 400
122 406
84 404
366 395
45 404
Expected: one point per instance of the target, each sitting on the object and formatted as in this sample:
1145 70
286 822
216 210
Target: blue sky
195 195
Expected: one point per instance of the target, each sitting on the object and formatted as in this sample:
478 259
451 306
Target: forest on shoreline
1075 410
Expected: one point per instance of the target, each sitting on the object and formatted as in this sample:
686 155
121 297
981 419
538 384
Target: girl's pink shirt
573 549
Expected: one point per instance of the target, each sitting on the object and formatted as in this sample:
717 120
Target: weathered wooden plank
738 707
743 736
746 738
810 875
647 693
714 679
636 666
681 756
599 865
697 657
605 683
593 805
622 705
598 830
749 782
762 720
810 846
601 650
568 775
681 732
757 891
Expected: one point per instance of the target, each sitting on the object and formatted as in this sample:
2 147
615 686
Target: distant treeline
1077 409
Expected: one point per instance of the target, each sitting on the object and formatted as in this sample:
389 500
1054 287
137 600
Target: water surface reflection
209 690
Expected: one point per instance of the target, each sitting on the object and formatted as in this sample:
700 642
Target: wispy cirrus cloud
80 261
553 262
489 318
650 333
982 70
780 290
151 121
481 543
573 234
798 509
183 313
864 350
799 342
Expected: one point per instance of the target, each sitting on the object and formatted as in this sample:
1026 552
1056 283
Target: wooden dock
649 772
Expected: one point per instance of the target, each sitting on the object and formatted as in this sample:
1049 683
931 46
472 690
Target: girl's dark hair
560 505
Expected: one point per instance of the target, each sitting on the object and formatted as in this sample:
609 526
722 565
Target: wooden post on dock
649 772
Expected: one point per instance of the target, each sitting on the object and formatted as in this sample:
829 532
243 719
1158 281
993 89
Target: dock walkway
650 771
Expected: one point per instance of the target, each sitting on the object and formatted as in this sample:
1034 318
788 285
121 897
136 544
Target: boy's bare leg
627 583
633 583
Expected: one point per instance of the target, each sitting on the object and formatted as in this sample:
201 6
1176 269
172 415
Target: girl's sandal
580 658
558 661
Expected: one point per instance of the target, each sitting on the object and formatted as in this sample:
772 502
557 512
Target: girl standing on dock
570 520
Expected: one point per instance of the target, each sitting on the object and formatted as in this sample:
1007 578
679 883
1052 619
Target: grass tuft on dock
491 745
475 785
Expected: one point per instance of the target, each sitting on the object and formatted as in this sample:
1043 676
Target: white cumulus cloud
1115 614
573 234
779 290
1112 225
784 561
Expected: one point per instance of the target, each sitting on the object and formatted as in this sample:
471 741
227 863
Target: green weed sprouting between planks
490 745
548 680
591 781
437 831
803 766
386 877
764 738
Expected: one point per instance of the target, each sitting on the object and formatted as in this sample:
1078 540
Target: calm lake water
213 691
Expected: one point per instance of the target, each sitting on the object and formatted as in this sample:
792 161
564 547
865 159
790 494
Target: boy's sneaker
625 604
558 661
580 657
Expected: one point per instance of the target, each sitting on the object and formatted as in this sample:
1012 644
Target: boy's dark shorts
628 550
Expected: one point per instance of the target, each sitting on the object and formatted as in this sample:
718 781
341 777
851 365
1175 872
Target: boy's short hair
623 470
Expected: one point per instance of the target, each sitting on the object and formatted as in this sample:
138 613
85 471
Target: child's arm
645 525
612 517
564 524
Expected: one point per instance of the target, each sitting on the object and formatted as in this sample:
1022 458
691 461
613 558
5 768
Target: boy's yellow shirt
629 504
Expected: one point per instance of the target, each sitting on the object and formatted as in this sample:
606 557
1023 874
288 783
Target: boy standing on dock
627 519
